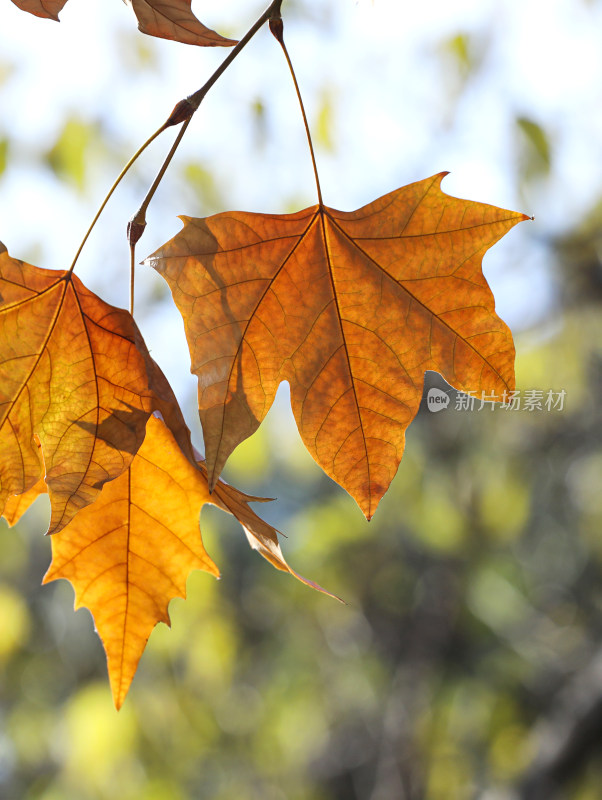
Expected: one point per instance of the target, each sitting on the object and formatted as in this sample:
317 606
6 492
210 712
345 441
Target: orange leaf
173 19
163 399
48 9
351 309
74 373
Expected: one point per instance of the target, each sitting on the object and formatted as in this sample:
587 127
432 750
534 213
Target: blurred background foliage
467 662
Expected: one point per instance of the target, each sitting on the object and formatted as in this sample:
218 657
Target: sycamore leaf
16 505
350 309
74 375
130 553
48 9
173 19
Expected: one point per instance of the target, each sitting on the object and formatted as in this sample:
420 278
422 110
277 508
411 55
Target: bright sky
399 116
541 60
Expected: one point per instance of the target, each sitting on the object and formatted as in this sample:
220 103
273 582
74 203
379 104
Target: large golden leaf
130 553
74 372
173 19
350 309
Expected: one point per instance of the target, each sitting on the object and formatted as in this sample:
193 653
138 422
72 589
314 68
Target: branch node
276 25
196 98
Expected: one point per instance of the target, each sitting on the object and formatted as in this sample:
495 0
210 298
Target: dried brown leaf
262 536
48 9
173 19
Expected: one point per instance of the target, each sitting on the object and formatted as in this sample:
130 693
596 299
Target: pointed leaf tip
261 536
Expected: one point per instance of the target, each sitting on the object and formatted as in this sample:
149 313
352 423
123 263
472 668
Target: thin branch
184 111
274 8
137 224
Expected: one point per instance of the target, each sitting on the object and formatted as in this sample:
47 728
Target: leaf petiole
277 30
118 180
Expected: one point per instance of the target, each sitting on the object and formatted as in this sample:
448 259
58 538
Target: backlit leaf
350 309
132 550
17 504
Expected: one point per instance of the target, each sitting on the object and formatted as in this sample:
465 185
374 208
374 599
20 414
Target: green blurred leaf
459 47
3 154
202 182
536 147
68 157
324 127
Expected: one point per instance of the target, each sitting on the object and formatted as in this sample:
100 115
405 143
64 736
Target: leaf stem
132 276
277 29
137 223
118 180
196 98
